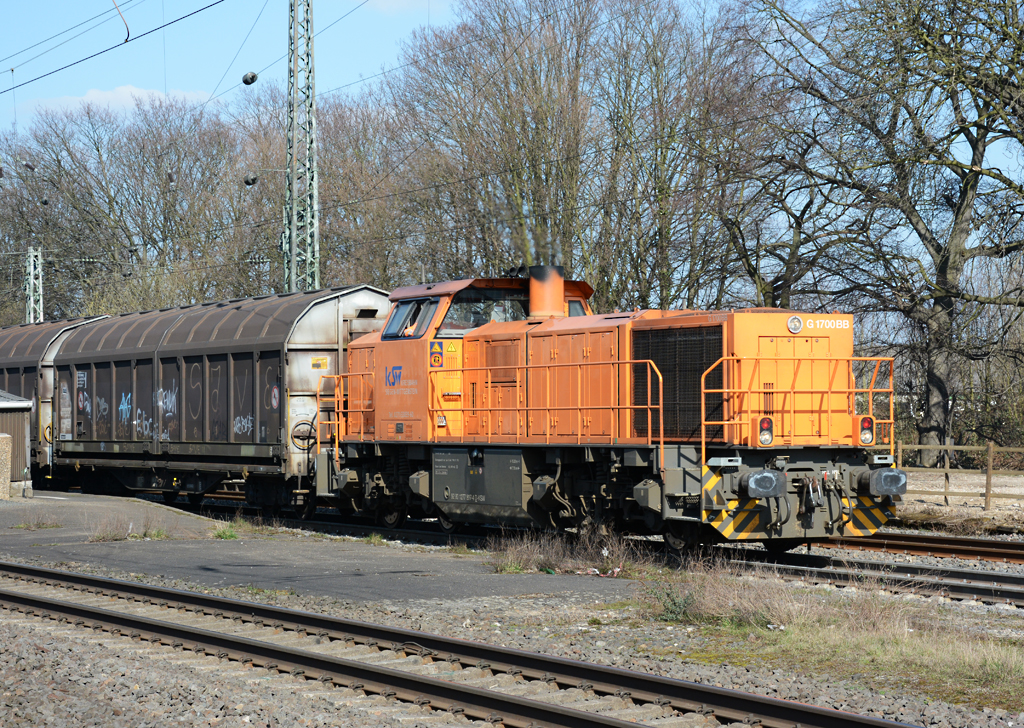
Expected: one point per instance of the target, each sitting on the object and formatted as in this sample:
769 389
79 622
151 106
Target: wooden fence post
899 454
988 476
945 470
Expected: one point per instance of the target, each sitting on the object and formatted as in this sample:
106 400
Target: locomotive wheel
682 539
170 497
447 525
391 515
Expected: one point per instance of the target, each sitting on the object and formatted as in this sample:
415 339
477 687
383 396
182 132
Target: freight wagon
188 400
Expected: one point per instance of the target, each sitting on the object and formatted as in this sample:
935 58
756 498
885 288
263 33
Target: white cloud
122 97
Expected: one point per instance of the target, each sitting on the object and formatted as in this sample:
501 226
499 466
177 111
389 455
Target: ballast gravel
52 678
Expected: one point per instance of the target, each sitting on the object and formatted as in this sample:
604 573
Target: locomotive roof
25 344
268 320
450 287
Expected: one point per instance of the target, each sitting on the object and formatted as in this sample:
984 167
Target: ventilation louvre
682 356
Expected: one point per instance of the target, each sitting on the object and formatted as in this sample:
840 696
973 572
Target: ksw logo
392 376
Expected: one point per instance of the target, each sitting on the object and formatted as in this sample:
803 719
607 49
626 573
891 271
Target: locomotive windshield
410 319
474 307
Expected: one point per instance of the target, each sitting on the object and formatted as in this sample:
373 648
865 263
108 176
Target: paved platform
57 527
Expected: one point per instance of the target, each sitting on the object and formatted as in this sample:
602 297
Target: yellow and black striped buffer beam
867 516
739 520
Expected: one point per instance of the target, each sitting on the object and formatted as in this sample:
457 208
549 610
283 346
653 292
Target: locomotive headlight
867 430
765 431
795 324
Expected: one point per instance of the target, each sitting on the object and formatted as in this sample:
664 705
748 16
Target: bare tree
918 146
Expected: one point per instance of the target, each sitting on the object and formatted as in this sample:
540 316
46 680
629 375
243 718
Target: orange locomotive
508 401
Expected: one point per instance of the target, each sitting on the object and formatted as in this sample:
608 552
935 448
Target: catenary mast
300 240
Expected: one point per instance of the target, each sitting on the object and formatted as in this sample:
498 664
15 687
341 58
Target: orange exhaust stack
547 291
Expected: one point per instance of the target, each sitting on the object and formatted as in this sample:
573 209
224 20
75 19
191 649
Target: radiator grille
682 356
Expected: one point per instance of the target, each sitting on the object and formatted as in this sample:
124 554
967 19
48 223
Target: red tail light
867 431
766 431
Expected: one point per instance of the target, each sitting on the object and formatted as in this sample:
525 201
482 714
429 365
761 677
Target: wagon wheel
195 499
308 509
170 497
391 515
447 525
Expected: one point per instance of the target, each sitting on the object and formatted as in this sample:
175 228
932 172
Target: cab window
410 319
576 308
473 307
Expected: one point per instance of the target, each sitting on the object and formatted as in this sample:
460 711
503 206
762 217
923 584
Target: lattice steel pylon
300 240
34 286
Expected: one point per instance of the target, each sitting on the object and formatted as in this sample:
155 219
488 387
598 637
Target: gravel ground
88 681
54 679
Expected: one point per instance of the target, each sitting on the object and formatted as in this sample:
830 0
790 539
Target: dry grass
118 526
39 522
953 519
530 552
241 526
942 652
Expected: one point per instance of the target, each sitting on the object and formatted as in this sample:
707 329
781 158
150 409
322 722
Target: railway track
1011 552
484 682
979 549
988 587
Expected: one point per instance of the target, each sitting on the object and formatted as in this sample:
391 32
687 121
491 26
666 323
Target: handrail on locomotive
741 397
337 428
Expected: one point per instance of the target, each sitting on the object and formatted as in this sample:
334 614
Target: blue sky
198 50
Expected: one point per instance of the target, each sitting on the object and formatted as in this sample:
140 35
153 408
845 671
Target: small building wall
16 424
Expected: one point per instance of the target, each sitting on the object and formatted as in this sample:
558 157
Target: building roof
9 402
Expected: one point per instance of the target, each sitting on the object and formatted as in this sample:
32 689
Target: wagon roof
267 320
25 344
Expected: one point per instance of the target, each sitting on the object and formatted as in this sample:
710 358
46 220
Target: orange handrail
340 426
520 385
743 416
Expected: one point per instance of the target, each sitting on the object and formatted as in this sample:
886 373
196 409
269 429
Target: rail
745 413
336 427
132 610
523 384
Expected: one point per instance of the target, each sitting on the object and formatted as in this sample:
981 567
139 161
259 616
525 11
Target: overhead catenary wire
79 35
278 60
108 11
107 50
503 170
227 70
